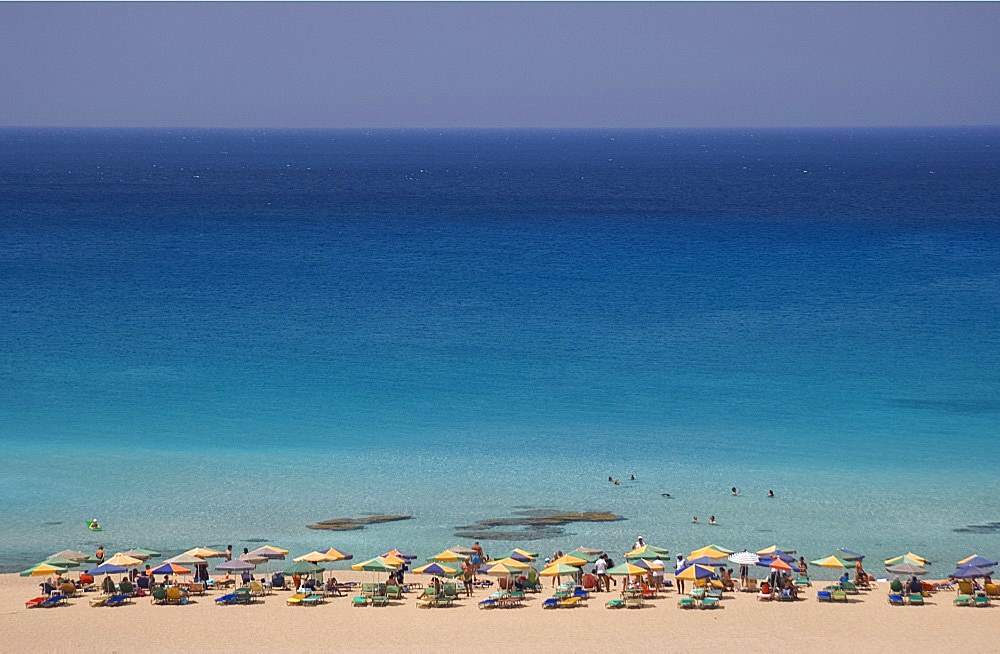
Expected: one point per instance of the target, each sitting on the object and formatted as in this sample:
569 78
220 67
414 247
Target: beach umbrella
505 568
337 555
171 569
449 555
970 572
236 565
400 555
435 568
60 562
849 555
627 569
577 554
125 560
571 560
914 558
137 554
976 560
534 555
513 563
204 552
517 556
775 548
647 552
250 558
832 562
270 552
303 568
906 569
72 555
744 558
314 557
107 569
458 549
709 561
778 554
558 570
152 553
378 564
185 559
42 570
585 550
778 564
650 566
393 560
692 572
713 551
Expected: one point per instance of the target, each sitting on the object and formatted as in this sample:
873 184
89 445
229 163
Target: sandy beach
866 623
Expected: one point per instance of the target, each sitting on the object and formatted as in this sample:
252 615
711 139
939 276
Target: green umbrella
649 552
152 554
303 568
833 562
42 570
378 564
60 562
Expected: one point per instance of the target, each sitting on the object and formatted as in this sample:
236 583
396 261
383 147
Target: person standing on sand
601 572
678 567
467 572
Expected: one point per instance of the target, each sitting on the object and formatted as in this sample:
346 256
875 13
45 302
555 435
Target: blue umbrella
970 572
851 556
778 554
107 569
979 562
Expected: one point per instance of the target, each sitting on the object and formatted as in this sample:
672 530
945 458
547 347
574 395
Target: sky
508 64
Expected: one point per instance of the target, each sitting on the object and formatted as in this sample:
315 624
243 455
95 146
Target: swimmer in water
711 520
616 482
735 492
631 477
694 520
770 493
667 495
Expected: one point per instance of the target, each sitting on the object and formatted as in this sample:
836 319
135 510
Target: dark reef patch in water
350 524
988 528
536 524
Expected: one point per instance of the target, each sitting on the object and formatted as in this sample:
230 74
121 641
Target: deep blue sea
215 337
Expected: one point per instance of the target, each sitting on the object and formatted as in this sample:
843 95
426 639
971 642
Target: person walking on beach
678 567
601 572
468 570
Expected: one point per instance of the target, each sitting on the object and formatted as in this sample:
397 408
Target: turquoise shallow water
219 337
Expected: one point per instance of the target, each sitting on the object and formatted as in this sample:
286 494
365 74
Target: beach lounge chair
765 593
572 602
614 604
992 591
849 587
57 600
824 596
981 600
803 581
35 602
312 599
393 592
198 588
291 601
838 595
361 600
379 600
426 600
710 603
488 603
784 596
550 603
126 587
228 598
118 600
916 599
244 596
159 595
100 600
963 600
964 587
751 586
686 603
895 599
256 589
634 602
175 596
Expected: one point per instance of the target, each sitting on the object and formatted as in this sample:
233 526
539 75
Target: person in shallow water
735 492
770 493
711 520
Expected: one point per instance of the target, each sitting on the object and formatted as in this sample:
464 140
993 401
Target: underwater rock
351 524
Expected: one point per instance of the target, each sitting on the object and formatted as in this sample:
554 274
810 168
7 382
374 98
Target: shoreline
742 623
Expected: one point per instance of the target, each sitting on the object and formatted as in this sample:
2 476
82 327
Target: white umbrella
744 558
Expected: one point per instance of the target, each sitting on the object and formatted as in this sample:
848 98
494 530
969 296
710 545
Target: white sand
743 624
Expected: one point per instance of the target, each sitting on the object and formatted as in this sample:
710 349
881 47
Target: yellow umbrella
123 560
337 555
570 560
448 555
914 558
42 570
513 563
711 551
526 554
204 552
774 548
378 564
627 570
694 572
393 559
559 569
272 548
314 557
